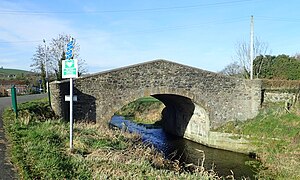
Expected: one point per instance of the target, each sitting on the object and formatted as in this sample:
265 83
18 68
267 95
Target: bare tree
242 54
39 62
233 69
297 56
57 54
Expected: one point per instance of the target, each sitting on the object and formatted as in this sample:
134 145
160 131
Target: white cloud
96 45
102 49
8 61
25 32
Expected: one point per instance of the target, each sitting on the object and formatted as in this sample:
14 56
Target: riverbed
223 162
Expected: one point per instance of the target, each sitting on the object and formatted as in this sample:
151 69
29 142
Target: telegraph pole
251 47
47 78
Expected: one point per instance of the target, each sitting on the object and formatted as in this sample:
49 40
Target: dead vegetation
124 156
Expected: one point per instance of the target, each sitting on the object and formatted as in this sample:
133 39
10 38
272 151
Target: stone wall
280 90
275 97
273 84
100 95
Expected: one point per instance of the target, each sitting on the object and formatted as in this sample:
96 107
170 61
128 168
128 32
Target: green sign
70 68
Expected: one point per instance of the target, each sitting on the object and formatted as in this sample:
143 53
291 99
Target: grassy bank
145 110
39 149
38 144
276 134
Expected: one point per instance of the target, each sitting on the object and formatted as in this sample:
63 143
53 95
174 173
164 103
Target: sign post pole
71 114
14 100
70 70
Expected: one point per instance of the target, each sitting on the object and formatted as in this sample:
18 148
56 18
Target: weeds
276 134
38 146
40 151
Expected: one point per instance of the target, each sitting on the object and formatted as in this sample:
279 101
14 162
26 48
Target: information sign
70 68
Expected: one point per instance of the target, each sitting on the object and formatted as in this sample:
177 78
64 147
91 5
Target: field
17 72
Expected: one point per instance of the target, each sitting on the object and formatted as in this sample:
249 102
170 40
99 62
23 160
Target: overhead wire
178 27
22 12
36 12
159 29
33 41
190 26
150 30
284 19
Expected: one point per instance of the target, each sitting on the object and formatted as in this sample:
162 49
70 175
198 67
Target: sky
116 33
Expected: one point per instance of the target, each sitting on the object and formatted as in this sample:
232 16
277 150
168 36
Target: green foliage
276 67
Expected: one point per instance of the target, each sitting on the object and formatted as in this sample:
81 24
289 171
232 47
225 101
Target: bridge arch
182 116
211 98
179 108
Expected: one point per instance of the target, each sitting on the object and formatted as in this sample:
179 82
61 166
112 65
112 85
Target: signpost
70 70
14 100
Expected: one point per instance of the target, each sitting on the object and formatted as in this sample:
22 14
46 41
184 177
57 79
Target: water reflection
190 152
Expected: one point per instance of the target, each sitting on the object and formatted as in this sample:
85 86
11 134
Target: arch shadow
84 109
177 113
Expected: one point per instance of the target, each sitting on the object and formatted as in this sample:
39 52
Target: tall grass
38 145
40 150
276 133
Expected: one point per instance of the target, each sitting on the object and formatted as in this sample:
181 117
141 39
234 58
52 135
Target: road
7 170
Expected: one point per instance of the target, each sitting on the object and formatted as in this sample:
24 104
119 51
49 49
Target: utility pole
251 47
46 69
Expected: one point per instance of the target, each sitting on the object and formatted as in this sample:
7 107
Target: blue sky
117 33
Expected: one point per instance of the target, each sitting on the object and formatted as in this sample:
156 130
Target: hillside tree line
280 67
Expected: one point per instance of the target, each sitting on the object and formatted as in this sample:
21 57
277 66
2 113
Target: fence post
14 99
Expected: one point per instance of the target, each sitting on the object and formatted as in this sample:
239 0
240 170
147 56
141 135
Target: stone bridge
197 101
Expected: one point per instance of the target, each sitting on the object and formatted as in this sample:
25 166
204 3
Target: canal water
223 162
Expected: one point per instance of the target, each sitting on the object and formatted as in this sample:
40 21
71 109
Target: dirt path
7 170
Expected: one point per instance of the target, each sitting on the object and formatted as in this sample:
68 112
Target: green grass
38 146
276 134
283 126
14 71
148 99
39 149
146 110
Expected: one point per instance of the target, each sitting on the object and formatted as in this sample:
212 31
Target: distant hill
4 73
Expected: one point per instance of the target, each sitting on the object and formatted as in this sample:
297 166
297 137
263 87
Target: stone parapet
196 100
